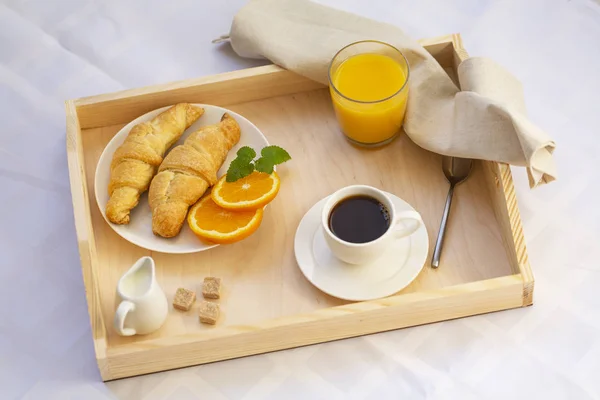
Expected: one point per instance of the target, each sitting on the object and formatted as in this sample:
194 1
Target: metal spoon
456 170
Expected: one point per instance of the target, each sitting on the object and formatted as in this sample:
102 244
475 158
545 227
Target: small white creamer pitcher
144 306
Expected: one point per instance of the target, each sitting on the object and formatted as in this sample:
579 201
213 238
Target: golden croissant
187 172
135 162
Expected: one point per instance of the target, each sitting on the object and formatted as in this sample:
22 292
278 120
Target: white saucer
391 272
139 230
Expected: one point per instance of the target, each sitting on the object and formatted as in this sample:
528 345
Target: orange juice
369 96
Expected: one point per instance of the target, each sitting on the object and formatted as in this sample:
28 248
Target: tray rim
354 319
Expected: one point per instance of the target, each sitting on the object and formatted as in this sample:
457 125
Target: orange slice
215 224
249 193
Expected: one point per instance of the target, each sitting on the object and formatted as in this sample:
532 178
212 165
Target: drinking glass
369 84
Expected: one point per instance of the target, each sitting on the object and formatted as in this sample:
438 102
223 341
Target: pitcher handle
124 308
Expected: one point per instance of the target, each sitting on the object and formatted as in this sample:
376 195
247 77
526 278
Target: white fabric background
55 50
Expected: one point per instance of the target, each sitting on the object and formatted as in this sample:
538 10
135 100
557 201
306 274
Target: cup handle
401 232
124 308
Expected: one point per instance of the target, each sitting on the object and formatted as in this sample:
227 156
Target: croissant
135 162
187 172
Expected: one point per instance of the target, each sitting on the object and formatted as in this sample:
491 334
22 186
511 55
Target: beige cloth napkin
486 120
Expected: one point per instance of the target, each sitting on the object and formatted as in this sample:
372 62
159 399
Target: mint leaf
246 153
238 169
243 164
275 155
264 165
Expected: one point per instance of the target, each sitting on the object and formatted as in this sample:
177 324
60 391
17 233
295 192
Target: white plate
139 229
391 272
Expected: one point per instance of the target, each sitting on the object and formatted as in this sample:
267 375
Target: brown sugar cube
211 288
209 312
184 299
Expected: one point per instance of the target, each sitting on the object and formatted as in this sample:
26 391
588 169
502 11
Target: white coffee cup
360 253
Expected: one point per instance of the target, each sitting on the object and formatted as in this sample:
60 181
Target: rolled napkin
486 120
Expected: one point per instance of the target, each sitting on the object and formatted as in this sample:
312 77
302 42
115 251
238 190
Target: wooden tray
268 304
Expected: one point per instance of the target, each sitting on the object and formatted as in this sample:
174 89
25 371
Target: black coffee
359 219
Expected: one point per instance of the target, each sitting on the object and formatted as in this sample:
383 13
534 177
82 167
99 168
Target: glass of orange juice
368 81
